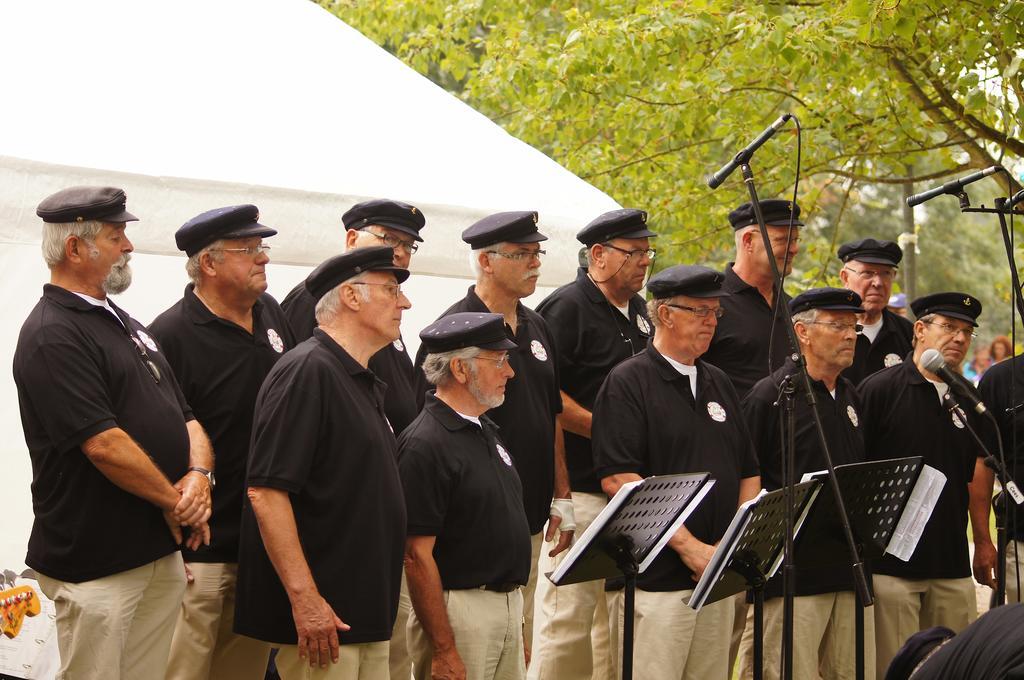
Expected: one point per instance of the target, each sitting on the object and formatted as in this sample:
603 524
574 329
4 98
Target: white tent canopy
198 104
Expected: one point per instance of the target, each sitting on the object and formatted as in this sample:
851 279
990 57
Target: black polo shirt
1002 387
591 337
391 364
532 401
320 433
220 367
646 422
79 372
841 419
891 346
740 345
462 487
903 417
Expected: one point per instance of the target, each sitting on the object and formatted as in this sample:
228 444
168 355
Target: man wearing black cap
506 260
221 339
666 411
468 552
747 339
596 321
114 450
869 269
904 415
376 222
322 466
825 321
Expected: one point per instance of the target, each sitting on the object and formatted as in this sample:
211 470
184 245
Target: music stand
628 534
750 552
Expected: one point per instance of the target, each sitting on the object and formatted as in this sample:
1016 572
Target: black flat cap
913 652
834 299
776 214
340 268
386 213
871 250
78 204
624 223
236 221
956 305
504 227
466 329
687 279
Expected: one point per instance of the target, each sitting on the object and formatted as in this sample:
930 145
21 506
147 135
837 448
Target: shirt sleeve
619 431
286 432
427 482
63 380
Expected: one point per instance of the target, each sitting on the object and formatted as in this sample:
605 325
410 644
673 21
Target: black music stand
750 552
876 495
628 534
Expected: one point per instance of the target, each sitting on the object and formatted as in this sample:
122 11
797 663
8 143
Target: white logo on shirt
275 340
538 350
147 341
399 345
892 359
956 421
852 415
716 412
642 324
504 455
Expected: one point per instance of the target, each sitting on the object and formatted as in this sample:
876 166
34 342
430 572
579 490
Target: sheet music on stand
755 537
634 516
33 654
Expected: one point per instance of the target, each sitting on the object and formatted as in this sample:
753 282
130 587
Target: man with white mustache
506 259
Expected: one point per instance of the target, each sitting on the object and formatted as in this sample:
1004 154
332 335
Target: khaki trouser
824 638
906 606
572 621
118 626
365 661
488 630
1012 590
671 641
204 646
536 545
399 661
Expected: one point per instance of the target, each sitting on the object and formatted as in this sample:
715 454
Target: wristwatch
205 473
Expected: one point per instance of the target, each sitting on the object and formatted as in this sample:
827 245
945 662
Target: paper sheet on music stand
915 516
33 654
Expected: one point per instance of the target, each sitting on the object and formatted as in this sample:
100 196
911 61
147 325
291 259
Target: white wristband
562 508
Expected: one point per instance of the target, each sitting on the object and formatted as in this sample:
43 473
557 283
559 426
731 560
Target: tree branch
892 180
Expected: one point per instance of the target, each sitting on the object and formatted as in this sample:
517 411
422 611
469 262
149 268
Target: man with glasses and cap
221 339
116 452
506 258
748 332
596 321
869 269
467 555
903 415
322 467
825 321
667 411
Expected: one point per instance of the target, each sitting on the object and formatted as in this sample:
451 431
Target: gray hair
192 266
653 305
55 235
474 258
927 318
438 367
329 303
805 317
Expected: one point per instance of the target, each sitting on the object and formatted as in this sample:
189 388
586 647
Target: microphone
714 181
932 361
953 187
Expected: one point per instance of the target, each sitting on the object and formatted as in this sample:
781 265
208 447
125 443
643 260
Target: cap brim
404 228
250 230
707 294
784 222
502 344
122 216
532 237
954 315
636 233
872 259
400 274
842 308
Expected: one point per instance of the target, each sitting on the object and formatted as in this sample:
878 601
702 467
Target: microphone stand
857 566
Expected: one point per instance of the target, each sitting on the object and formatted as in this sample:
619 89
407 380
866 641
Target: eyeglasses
499 361
146 361
701 312
519 255
392 289
251 251
950 329
883 275
649 252
395 242
838 327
